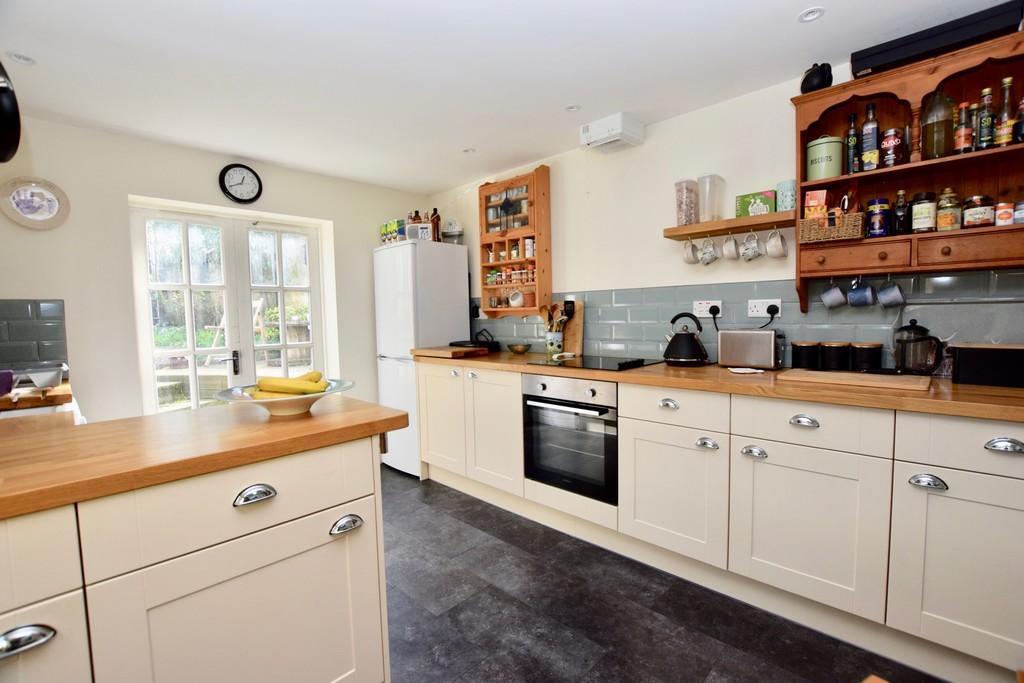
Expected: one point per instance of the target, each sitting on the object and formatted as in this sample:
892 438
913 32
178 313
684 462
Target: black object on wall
10 118
975 28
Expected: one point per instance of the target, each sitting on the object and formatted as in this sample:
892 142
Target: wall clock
34 203
241 184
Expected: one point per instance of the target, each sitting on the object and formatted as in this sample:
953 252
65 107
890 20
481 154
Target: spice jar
835 355
1018 212
892 147
948 214
806 355
979 211
879 217
1004 213
922 212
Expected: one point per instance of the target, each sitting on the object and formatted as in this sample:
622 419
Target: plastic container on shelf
710 197
687 212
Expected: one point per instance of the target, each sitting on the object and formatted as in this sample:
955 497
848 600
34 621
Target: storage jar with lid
1004 213
835 355
806 355
879 217
948 214
923 212
979 211
824 157
866 356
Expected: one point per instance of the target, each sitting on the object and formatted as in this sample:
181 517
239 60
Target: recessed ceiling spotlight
468 150
21 58
574 107
810 14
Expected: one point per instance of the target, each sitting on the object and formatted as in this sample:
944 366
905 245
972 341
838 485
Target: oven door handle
567 409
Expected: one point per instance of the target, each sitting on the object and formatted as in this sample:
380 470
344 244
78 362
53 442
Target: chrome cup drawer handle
24 638
754 452
928 481
254 494
802 420
668 403
1004 444
708 443
346 524
453 373
472 375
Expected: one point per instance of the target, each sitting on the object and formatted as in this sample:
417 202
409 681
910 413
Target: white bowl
286 405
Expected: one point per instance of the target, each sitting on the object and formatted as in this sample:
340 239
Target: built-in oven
570 429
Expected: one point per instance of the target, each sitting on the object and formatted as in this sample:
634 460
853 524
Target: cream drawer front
957 554
681 407
291 603
674 488
55 649
839 428
812 522
139 528
962 443
38 556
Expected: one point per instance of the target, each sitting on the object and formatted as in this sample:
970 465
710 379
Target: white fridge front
396 378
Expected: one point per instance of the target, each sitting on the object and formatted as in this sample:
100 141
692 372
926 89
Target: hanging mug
690 252
891 295
860 294
707 252
833 296
751 248
776 245
730 248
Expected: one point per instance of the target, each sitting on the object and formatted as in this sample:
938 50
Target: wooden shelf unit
777 219
537 219
900 96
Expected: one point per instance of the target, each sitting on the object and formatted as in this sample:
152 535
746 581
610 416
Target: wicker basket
851 227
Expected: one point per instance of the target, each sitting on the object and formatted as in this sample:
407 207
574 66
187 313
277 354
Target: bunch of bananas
280 387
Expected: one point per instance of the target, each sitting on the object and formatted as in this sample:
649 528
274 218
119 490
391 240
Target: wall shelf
777 219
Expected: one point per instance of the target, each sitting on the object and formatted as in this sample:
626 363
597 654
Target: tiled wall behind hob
32 333
971 306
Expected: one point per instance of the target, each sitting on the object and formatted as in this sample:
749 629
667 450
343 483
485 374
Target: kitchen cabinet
674 488
298 602
46 641
442 411
990 446
38 556
494 428
811 521
957 552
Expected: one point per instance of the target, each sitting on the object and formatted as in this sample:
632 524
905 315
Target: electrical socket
700 308
758 308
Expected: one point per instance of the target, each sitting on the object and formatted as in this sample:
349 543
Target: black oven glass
572 446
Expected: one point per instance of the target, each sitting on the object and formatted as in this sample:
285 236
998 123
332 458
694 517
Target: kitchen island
221 516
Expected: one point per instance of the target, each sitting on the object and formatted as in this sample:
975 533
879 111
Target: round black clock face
241 184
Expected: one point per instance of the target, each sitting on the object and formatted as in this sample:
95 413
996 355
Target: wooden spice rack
899 96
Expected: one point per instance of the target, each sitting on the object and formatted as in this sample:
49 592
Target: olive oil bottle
869 141
853 146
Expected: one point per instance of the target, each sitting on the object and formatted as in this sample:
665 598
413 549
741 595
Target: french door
226 301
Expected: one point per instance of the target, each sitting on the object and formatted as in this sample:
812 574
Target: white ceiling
391 92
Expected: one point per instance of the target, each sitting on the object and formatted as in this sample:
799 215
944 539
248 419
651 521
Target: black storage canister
866 356
806 355
835 355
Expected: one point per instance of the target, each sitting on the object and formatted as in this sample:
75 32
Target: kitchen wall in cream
87 261
608 210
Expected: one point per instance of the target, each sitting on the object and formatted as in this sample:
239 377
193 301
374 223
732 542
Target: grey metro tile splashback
972 306
32 333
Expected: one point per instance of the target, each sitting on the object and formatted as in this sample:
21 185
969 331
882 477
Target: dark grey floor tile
433 582
609 573
394 482
507 666
854 664
736 666
497 622
529 535
719 616
441 533
424 647
801 650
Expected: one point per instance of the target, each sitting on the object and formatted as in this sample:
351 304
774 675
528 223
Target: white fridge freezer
421 296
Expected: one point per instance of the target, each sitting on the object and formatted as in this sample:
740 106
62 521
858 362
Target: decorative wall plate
34 203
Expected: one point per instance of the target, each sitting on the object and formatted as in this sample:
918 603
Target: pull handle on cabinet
754 452
928 481
472 375
24 638
708 443
454 373
254 494
346 524
802 420
668 403
1004 444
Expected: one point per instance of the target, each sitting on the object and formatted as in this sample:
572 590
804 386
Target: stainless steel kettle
917 352
685 348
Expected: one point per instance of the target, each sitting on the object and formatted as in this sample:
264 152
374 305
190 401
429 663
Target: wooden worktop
53 464
37 398
943 398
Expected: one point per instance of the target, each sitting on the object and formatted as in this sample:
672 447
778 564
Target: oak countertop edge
943 398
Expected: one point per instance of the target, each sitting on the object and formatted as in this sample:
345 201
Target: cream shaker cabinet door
811 521
291 603
674 488
46 642
38 556
957 554
442 416
494 435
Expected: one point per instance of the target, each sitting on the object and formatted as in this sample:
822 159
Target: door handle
802 420
472 375
668 403
708 443
24 638
928 481
346 524
454 373
233 359
754 452
1004 444
254 494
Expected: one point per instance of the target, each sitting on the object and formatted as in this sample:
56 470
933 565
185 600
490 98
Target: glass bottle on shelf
937 128
869 154
972 116
963 136
1005 118
986 136
853 146
1018 125
901 214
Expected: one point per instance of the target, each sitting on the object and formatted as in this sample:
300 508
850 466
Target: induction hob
600 363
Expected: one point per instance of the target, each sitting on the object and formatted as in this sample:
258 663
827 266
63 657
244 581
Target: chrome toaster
751 348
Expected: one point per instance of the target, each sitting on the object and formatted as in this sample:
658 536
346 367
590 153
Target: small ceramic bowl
291 405
519 348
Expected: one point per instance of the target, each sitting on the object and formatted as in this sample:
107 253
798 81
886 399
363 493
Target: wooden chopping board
572 340
451 351
857 379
